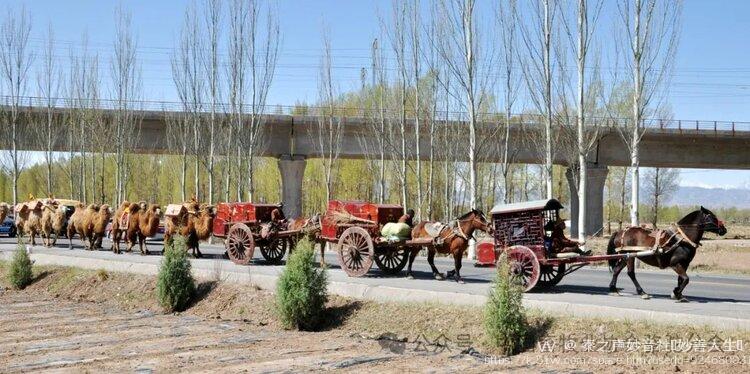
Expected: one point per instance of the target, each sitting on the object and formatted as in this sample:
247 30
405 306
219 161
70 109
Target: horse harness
661 247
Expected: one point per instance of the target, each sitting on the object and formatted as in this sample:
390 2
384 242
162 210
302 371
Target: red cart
519 233
247 225
358 240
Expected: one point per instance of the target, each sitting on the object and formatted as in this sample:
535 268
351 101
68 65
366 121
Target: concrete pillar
597 176
292 168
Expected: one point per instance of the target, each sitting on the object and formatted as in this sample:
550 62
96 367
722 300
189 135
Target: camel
143 222
90 223
194 222
120 222
53 217
29 219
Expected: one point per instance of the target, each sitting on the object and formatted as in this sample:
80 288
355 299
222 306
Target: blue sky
711 81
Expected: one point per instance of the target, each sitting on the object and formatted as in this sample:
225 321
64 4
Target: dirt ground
92 321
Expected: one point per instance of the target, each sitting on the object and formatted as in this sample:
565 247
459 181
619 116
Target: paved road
711 295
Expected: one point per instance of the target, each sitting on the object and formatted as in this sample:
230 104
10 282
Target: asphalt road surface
710 295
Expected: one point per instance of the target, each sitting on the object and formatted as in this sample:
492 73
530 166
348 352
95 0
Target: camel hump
134 207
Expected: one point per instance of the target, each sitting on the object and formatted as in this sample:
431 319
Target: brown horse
309 227
679 248
454 240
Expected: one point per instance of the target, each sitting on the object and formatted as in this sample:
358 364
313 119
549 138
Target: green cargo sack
398 230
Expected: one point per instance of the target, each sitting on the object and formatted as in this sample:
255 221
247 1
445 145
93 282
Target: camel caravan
131 223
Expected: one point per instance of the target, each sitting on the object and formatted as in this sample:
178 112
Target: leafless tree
262 53
49 78
126 84
211 65
649 35
15 61
186 75
329 130
506 18
537 36
415 50
661 184
237 74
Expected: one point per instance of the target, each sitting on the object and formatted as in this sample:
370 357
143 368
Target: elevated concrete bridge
676 144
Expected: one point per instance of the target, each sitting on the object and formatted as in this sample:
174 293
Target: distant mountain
711 197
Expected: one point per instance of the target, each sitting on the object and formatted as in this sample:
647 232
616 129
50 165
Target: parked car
8 227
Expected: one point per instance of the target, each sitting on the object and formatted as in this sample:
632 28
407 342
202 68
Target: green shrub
301 290
20 273
505 323
175 285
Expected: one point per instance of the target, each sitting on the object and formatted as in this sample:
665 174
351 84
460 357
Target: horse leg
457 257
615 273
631 274
682 281
412 256
431 261
322 254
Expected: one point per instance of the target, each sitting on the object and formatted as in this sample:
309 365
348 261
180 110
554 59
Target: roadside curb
396 294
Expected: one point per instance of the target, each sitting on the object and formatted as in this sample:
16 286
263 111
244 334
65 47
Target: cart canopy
550 204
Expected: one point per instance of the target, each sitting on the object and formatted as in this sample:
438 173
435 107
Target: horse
309 227
454 240
679 248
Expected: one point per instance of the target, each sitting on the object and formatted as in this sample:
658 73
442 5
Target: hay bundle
343 217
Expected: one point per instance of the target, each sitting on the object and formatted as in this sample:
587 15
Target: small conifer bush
175 285
505 324
20 273
301 290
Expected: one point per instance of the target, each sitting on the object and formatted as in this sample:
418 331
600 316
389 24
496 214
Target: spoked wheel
274 251
550 276
391 260
355 251
240 244
523 266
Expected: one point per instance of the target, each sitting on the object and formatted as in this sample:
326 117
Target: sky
711 79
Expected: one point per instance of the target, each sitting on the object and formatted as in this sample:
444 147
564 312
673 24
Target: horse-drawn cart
519 233
247 225
354 227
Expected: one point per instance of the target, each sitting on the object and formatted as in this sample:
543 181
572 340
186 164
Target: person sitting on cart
557 242
407 218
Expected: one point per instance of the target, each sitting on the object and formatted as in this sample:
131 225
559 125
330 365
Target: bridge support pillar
292 169
597 177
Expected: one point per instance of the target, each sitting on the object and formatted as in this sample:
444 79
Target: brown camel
29 219
51 216
144 222
194 222
120 222
96 225
80 223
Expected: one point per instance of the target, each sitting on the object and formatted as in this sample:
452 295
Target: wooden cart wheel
550 276
523 266
274 251
240 244
355 251
391 260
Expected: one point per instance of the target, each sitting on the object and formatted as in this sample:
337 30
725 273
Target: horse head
711 223
477 221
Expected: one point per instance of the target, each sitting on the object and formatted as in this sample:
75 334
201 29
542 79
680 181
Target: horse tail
611 249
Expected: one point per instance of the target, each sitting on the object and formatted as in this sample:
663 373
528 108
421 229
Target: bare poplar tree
472 72
178 137
414 44
213 20
15 61
49 78
650 33
506 18
237 74
537 36
262 54
328 136
126 84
